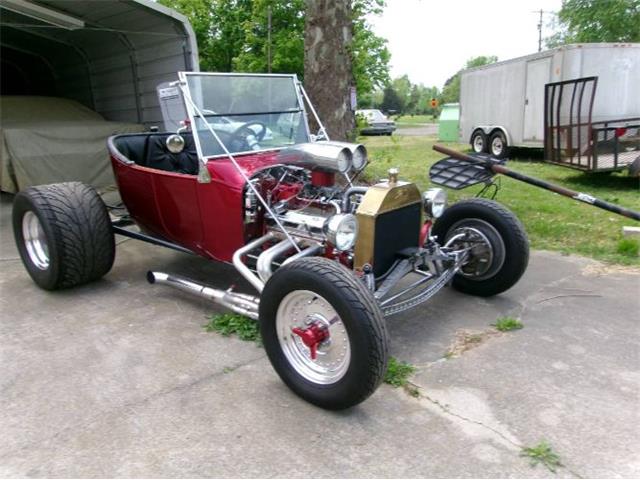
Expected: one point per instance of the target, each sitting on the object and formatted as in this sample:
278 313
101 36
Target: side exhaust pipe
241 303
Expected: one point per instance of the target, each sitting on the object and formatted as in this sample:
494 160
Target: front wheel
324 333
497 245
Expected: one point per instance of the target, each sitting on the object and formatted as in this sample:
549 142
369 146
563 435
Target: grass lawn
553 222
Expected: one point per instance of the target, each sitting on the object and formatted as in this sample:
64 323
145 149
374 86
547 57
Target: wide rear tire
351 361
501 254
63 234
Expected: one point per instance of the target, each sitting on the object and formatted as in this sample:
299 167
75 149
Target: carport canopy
109 55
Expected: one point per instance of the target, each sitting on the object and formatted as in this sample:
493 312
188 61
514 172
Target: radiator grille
395 231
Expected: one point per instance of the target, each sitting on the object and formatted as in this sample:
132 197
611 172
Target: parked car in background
377 123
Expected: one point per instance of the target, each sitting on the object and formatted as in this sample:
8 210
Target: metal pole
540 32
579 196
269 39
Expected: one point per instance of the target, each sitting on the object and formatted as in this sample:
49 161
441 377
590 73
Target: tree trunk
328 74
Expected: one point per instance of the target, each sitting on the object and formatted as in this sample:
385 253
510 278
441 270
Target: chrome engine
297 209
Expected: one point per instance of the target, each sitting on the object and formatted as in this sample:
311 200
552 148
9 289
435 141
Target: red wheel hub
312 336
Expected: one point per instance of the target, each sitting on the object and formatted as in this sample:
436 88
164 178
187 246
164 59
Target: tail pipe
241 303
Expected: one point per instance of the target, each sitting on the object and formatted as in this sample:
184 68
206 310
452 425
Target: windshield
248 112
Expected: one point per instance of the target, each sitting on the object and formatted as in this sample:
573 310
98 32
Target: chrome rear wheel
35 240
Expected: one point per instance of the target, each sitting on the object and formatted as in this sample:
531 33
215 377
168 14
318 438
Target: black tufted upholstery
150 150
158 156
133 147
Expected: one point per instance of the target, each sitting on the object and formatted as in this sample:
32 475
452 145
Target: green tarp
49 140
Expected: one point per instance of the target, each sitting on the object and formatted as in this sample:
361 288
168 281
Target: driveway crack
411 388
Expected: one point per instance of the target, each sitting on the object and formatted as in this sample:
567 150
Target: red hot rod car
245 182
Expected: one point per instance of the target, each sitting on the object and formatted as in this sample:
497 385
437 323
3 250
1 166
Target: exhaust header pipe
241 303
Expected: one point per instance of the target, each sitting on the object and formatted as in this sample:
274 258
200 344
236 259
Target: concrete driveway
118 379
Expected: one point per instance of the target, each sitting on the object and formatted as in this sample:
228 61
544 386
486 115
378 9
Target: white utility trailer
597 91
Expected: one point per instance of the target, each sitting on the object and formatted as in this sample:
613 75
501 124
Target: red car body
206 218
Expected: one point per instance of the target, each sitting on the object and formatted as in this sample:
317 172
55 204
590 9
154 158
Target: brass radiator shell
379 199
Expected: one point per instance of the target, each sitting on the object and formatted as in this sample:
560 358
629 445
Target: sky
430 40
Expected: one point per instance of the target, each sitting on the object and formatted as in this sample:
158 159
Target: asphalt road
118 379
418 130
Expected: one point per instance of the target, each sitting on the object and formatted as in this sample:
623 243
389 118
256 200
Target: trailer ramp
573 139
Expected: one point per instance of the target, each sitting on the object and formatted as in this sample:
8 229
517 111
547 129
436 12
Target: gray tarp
47 140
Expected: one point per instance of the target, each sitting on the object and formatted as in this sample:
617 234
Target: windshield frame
189 102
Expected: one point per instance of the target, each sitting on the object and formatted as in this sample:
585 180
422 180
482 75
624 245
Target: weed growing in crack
506 324
412 390
398 374
544 454
227 324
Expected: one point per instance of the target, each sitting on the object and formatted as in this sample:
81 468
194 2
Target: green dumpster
449 123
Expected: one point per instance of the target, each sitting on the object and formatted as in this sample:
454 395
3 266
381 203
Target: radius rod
566 192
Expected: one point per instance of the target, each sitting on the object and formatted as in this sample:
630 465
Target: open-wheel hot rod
244 182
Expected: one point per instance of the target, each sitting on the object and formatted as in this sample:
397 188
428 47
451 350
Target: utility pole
269 39
541 13
540 31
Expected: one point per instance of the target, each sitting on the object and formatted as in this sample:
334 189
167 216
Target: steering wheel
242 132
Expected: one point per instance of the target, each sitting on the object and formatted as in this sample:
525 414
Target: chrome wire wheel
312 337
35 240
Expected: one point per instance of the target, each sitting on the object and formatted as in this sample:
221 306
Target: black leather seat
133 147
158 156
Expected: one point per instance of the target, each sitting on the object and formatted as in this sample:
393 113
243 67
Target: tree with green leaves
287 38
451 89
232 35
220 29
370 56
402 86
587 21
391 101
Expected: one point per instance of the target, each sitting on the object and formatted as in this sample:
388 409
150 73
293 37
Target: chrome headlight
434 201
342 231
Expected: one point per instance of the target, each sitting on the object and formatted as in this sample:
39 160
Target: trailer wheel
499 248
63 234
323 332
498 146
479 142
